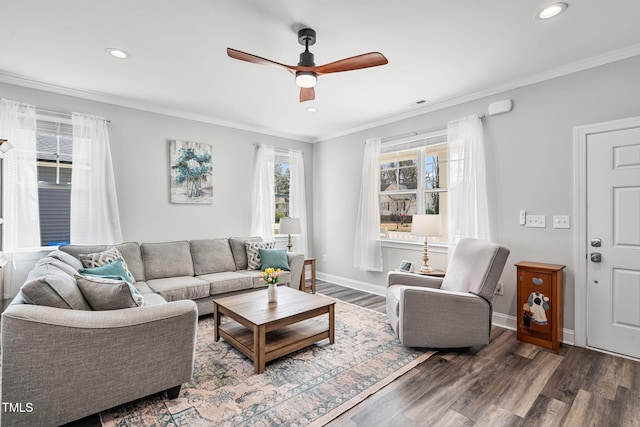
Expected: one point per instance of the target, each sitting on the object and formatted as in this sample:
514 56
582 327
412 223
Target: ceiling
439 51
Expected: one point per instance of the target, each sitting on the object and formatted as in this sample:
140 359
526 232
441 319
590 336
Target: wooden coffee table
264 331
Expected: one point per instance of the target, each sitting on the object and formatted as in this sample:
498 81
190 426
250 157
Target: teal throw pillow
113 270
274 258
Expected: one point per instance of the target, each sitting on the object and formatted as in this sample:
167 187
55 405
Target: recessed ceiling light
312 109
117 53
552 10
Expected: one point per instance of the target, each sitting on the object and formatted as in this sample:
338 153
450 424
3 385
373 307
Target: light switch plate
561 221
536 221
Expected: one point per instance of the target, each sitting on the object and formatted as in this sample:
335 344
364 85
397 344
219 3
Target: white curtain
297 200
367 253
468 212
21 227
263 197
94 205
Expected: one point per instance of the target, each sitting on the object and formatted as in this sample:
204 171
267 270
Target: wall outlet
561 221
538 221
499 289
324 258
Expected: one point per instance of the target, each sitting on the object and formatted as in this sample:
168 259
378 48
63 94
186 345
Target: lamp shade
290 226
5 145
426 225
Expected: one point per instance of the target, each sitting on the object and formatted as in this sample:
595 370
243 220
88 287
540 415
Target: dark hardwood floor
507 383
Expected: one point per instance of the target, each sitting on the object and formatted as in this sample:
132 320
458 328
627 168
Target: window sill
414 246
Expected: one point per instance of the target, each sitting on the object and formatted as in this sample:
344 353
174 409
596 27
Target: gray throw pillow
52 287
108 294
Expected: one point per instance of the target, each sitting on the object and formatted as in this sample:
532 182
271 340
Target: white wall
140 150
530 164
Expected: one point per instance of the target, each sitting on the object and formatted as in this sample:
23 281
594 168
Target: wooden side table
540 304
436 273
303 279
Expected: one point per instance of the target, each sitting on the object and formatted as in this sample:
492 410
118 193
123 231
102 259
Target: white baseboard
499 319
353 284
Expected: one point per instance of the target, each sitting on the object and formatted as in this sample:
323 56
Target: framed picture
406 266
191 172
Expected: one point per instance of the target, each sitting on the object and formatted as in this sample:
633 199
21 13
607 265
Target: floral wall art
191 172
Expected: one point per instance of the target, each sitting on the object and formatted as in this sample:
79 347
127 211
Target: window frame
420 142
52 121
281 158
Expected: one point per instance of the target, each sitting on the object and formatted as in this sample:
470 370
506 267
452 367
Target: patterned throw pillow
109 294
253 253
113 270
99 259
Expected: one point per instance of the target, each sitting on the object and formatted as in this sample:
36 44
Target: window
282 180
413 180
54 148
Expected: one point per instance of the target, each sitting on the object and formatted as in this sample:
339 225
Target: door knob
596 257
596 243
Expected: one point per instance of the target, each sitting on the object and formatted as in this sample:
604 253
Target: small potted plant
271 277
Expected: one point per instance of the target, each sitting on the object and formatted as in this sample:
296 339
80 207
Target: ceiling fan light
305 79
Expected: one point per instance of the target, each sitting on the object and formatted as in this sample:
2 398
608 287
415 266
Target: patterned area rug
309 387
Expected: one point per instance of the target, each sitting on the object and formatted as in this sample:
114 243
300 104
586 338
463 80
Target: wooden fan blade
366 60
248 57
307 94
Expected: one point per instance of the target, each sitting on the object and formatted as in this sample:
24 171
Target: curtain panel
21 227
263 197
297 200
467 186
94 204
367 251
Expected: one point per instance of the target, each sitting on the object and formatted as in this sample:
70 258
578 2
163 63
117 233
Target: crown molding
613 56
19 80
596 61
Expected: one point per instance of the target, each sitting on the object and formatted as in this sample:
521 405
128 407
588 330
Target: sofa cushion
108 294
130 252
143 287
211 256
255 278
66 268
50 286
179 288
153 299
113 270
274 258
227 282
167 259
240 251
253 253
99 259
66 258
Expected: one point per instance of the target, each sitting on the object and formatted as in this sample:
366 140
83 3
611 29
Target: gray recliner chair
450 312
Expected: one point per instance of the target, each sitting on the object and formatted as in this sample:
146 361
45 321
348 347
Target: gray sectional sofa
62 361
198 270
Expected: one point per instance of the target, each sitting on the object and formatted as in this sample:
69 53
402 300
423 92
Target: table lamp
426 226
289 226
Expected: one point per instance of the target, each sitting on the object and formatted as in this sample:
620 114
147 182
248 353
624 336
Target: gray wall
140 150
530 163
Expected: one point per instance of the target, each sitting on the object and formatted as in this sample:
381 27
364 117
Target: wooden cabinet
539 300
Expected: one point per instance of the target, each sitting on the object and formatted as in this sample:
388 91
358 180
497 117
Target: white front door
613 241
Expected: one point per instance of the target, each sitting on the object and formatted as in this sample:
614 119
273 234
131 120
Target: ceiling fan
306 71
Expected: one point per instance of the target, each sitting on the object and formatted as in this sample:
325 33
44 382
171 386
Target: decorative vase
272 292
